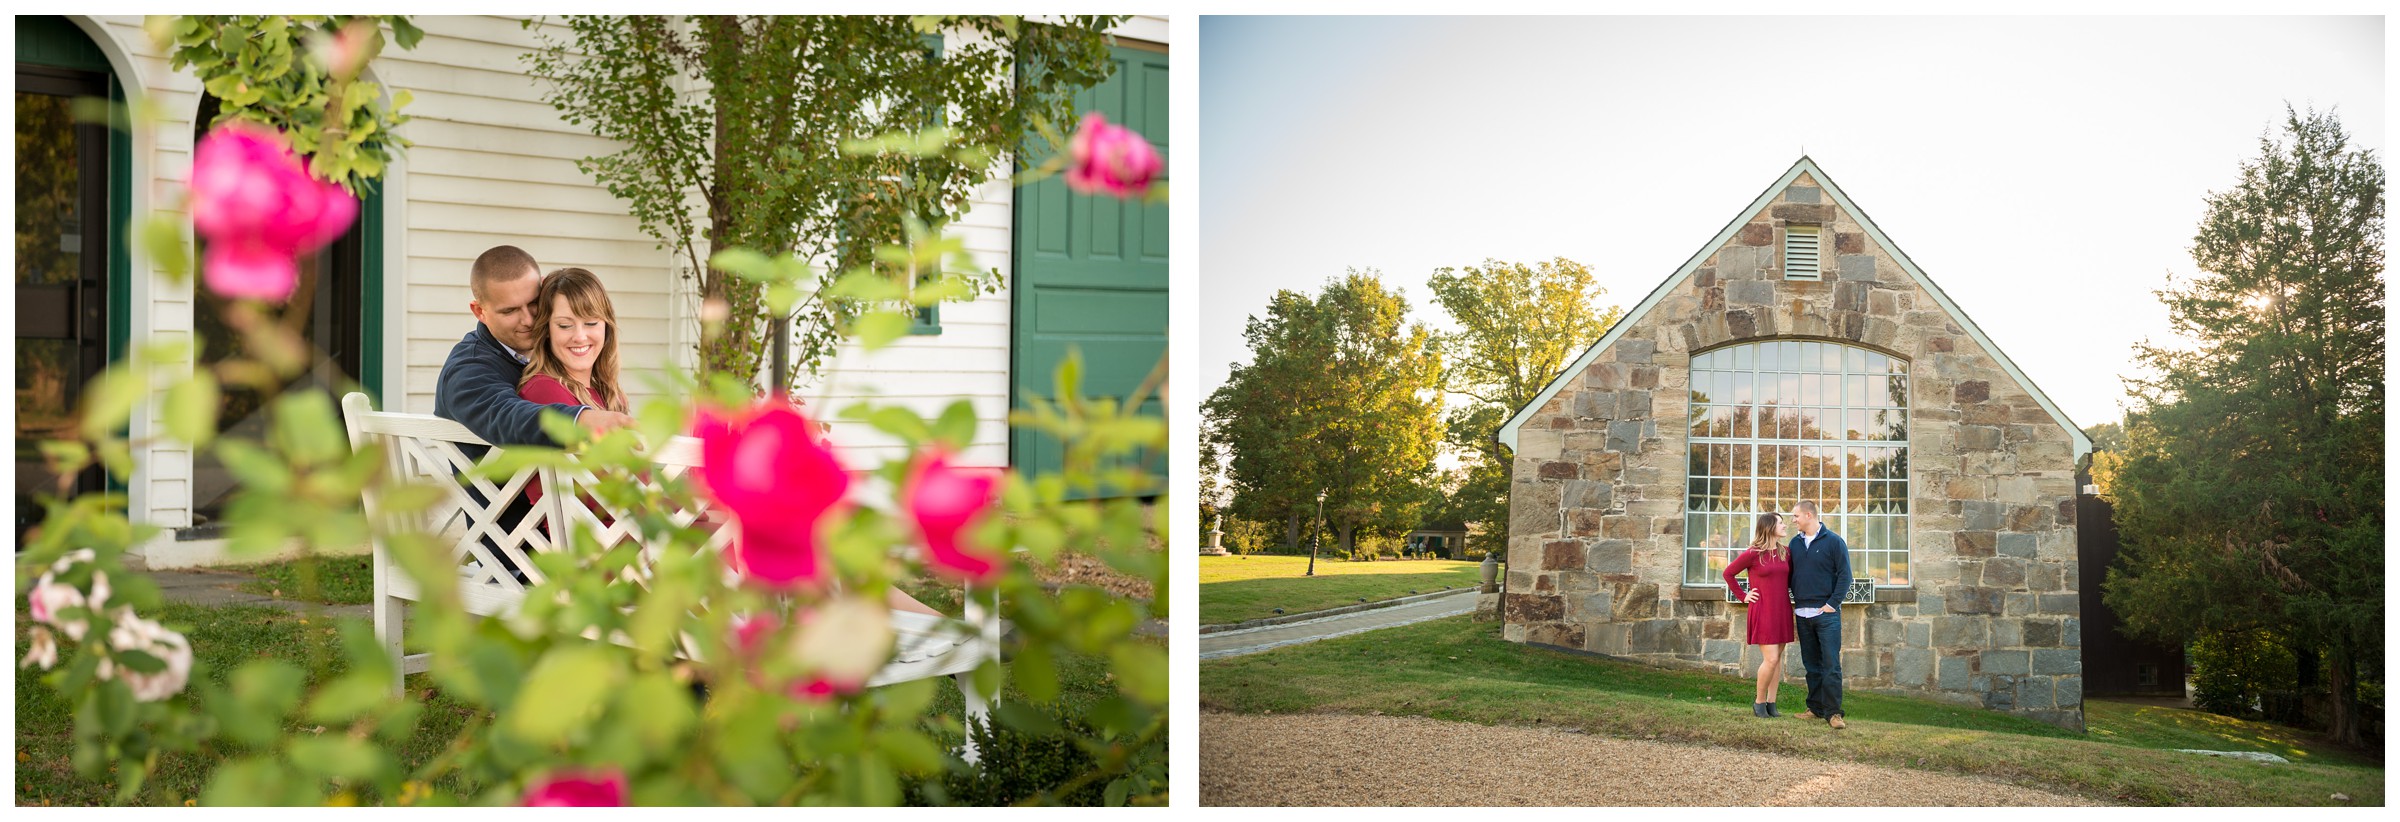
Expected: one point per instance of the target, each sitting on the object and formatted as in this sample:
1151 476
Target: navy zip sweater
1820 569
478 389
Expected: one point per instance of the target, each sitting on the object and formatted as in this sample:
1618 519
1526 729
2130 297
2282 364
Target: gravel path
1324 759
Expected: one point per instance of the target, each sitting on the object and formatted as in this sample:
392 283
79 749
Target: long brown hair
588 299
1762 538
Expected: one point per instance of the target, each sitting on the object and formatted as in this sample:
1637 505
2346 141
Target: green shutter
1090 272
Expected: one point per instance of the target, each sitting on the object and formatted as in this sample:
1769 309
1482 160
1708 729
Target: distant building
1801 356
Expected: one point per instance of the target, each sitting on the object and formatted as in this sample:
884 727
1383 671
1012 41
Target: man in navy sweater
478 384
1820 578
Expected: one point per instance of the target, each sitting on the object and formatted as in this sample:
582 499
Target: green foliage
2235 672
316 723
1519 325
2249 490
258 66
1044 759
1339 396
823 137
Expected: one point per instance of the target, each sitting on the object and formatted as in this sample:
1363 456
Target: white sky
2048 173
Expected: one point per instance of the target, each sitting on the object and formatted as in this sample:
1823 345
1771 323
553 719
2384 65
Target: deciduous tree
1519 324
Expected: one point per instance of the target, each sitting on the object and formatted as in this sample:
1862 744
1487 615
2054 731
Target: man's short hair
1811 505
503 263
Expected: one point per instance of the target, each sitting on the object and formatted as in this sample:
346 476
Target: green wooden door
1091 271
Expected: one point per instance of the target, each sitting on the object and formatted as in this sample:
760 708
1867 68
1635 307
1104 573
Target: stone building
1801 355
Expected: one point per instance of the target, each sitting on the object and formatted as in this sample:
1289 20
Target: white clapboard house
493 164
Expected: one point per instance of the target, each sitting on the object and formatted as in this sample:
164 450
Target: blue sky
2047 172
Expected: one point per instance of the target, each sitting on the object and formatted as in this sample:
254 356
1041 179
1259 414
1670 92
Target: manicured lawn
224 637
1458 669
1237 588
339 580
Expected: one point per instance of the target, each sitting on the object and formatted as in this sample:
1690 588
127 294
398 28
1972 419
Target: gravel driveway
1324 759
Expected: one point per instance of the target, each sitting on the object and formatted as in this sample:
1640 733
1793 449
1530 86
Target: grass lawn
224 637
1244 587
340 580
1458 669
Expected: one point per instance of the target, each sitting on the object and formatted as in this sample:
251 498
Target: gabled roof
1508 432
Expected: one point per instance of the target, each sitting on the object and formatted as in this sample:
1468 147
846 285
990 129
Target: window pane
1720 421
1879 564
1855 390
1742 357
1856 502
1695 566
1877 363
1741 387
1829 359
1699 422
1899 569
1854 360
1858 429
1809 395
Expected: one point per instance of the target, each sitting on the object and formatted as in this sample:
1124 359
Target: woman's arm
1740 564
547 389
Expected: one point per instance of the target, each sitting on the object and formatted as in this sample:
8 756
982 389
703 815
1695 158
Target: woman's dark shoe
1772 712
1758 709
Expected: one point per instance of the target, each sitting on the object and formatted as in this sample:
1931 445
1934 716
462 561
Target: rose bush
780 634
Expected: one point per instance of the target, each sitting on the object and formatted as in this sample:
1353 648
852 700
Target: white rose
133 633
48 598
845 641
44 651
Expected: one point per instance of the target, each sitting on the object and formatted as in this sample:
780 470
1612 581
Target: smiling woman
576 360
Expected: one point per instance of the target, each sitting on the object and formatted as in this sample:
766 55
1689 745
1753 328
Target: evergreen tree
2249 488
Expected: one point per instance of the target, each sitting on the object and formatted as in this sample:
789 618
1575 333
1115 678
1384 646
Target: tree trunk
1349 545
1291 532
2347 730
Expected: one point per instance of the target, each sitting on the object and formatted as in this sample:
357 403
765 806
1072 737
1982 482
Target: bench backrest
425 450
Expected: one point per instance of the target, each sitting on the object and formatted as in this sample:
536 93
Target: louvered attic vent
1800 253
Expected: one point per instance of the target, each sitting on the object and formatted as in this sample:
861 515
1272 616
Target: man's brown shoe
1835 721
1808 715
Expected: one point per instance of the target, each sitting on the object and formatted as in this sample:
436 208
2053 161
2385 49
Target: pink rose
577 789
1112 160
944 501
258 208
766 467
48 599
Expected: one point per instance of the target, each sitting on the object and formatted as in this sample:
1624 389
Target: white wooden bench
424 449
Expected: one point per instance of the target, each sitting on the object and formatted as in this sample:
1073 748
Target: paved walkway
214 588
1254 640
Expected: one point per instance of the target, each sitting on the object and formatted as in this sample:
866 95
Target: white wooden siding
492 164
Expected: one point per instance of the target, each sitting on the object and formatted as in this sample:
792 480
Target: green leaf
780 298
349 696
192 409
308 430
909 750
69 455
744 263
877 329
338 757
110 400
1035 673
258 470
658 709
956 427
1141 670
163 239
563 691
1115 795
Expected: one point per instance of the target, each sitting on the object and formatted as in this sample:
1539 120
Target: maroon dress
1771 616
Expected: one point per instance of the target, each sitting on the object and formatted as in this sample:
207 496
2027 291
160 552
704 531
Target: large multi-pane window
1773 423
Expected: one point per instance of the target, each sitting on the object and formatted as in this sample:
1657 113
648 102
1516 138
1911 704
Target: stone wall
1595 543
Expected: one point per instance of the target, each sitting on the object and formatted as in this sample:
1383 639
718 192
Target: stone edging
1345 609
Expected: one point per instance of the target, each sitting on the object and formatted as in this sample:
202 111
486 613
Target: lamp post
1319 538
